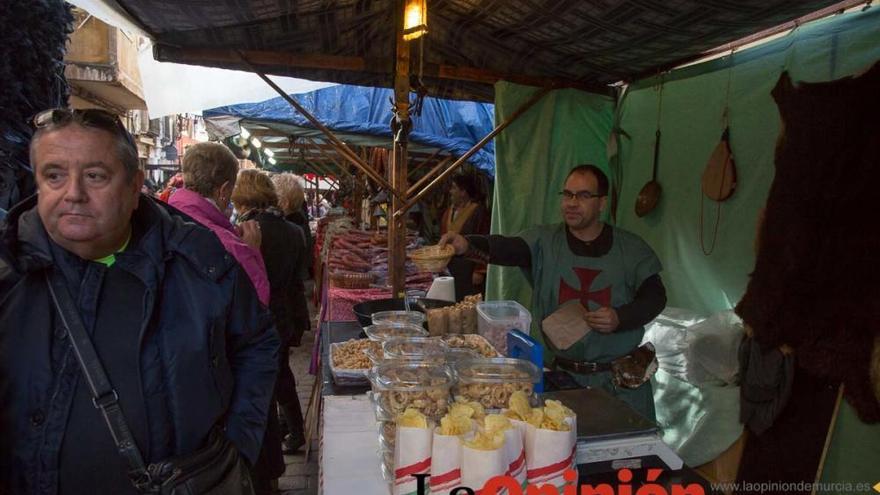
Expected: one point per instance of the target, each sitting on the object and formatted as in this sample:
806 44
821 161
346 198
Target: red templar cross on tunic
602 297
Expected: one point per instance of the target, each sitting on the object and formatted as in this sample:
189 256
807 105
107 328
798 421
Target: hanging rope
725 122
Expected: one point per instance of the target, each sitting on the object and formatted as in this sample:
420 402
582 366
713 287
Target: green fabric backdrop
569 127
532 157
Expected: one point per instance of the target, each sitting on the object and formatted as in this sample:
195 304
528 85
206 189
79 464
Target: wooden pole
463 158
329 158
399 129
425 162
431 173
344 150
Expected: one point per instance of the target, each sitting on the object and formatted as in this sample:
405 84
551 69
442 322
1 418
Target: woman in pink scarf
209 173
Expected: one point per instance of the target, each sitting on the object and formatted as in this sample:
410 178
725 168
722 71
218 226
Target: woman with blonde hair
283 250
292 201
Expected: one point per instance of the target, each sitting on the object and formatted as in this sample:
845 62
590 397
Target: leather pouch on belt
636 368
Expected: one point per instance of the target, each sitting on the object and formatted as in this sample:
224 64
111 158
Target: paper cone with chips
482 458
412 450
550 442
446 448
514 447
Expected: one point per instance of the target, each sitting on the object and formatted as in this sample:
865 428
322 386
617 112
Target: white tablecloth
349 461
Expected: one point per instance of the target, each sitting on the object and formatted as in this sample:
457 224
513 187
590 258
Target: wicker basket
432 258
351 280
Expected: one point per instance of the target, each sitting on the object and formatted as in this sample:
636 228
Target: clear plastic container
398 317
398 385
496 318
416 349
454 355
348 376
386 331
473 342
492 381
387 434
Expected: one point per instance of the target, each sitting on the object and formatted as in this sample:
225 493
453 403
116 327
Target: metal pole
463 158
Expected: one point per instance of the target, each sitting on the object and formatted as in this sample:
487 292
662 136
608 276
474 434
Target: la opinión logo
507 485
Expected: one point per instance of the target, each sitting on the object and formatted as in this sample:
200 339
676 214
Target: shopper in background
209 174
283 249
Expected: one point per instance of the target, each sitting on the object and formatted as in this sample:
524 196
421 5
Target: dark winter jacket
283 247
207 347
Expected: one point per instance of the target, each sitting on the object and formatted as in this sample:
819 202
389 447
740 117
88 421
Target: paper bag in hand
567 325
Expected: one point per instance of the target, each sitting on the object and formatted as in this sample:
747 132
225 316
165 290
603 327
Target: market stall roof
471 43
360 116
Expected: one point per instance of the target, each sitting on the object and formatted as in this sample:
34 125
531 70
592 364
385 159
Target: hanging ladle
649 196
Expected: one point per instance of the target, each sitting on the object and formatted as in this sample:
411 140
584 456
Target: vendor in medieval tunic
612 272
466 215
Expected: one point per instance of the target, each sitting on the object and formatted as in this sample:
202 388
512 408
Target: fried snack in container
492 381
398 385
428 349
474 342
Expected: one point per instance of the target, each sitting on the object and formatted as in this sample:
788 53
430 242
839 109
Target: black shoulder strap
104 397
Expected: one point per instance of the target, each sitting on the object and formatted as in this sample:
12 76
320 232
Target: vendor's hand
603 319
251 234
478 278
457 241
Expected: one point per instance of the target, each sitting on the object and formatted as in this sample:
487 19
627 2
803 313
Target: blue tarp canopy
361 115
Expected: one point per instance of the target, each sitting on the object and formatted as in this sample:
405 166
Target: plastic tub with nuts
350 361
496 318
491 381
398 385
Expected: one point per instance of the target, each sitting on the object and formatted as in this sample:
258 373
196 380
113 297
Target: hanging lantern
415 19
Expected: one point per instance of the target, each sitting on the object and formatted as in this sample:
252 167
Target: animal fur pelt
816 283
33 34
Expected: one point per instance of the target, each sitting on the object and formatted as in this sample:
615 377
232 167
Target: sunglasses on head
89 117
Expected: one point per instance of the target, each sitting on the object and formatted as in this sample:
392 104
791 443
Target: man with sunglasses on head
612 272
177 327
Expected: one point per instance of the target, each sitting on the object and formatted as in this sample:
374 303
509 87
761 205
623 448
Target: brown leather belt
581 367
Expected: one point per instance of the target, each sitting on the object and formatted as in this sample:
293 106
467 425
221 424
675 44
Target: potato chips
550 417
412 418
496 422
455 425
469 409
519 405
486 441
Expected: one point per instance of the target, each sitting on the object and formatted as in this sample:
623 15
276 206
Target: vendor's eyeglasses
579 195
90 117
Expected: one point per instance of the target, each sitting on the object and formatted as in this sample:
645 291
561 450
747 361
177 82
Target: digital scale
612 436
